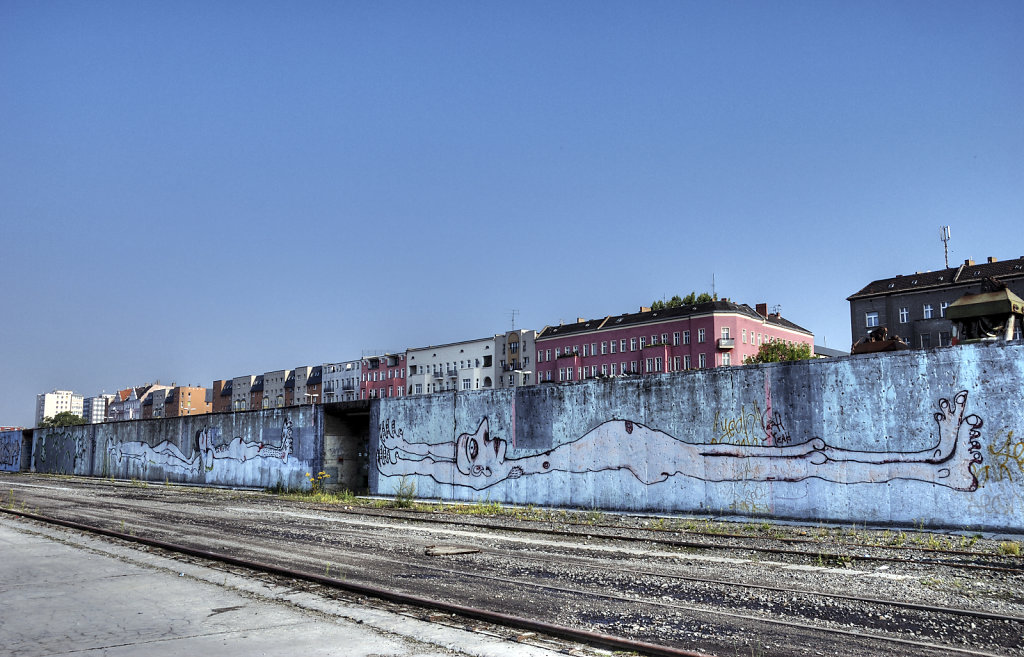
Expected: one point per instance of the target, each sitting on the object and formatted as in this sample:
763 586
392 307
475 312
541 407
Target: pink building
713 334
382 376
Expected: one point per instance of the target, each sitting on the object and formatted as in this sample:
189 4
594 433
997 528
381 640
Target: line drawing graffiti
205 452
479 460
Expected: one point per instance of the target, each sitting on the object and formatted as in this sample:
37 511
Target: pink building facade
382 376
714 334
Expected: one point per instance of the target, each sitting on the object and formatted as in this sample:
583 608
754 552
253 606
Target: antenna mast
513 313
944 236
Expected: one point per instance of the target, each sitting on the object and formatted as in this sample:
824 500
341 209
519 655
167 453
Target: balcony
726 343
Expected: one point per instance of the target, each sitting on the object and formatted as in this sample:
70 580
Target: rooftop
968 272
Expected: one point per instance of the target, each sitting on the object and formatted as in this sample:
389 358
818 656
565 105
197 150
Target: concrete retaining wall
13 453
934 436
258 448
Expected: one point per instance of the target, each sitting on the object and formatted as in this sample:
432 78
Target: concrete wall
258 448
14 450
934 436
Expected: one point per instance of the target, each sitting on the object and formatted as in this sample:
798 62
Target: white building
466 365
341 381
50 404
94 409
513 350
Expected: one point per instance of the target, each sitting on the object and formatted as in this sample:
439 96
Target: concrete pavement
65 593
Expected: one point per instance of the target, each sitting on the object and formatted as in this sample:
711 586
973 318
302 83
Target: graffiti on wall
751 426
206 451
63 451
1005 462
10 452
479 459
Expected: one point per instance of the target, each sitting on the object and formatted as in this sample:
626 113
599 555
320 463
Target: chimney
580 320
762 309
645 309
991 260
969 262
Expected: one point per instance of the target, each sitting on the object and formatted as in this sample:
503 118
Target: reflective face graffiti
479 454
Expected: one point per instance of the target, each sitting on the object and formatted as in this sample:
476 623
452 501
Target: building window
650 365
702 361
725 333
664 338
927 311
419 388
944 340
593 349
467 384
611 347
632 344
584 350
622 346
604 347
700 335
658 365
744 333
558 352
726 359
643 342
675 339
904 315
871 319
604 370
686 337
942 309
686 362
622 369
926 341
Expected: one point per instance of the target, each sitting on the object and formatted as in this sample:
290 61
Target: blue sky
201 190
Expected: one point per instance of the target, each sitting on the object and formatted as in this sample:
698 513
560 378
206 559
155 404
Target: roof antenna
944 236
513 313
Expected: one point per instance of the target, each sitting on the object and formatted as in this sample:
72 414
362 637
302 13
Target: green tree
778 351
688 300
62 419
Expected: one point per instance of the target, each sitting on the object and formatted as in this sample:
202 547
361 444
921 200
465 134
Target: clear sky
200 190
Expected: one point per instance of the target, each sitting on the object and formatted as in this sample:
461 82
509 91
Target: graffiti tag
1007 460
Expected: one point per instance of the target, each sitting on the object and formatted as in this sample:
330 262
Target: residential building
240 397
382 375
221 397
256 393
913 306
295 386
274 388
314 386
127 404
515 351
468 365
94 409
341 381
185 400
698 336
50 404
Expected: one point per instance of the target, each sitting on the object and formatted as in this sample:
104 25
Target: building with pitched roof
913 306
697 336
382 375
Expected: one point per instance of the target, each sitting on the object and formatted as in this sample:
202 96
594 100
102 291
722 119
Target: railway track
597 588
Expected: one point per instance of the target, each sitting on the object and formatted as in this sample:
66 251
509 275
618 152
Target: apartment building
274 388
514 351
185 400
698 336
468 365
341 381
127 404
94 409
49 404
221 397
913 306
382 375
241 400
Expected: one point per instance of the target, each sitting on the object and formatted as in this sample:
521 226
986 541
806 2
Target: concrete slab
64 593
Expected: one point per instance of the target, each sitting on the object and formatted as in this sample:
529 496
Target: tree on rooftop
688 300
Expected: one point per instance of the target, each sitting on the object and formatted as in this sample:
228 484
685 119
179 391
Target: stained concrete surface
62 593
